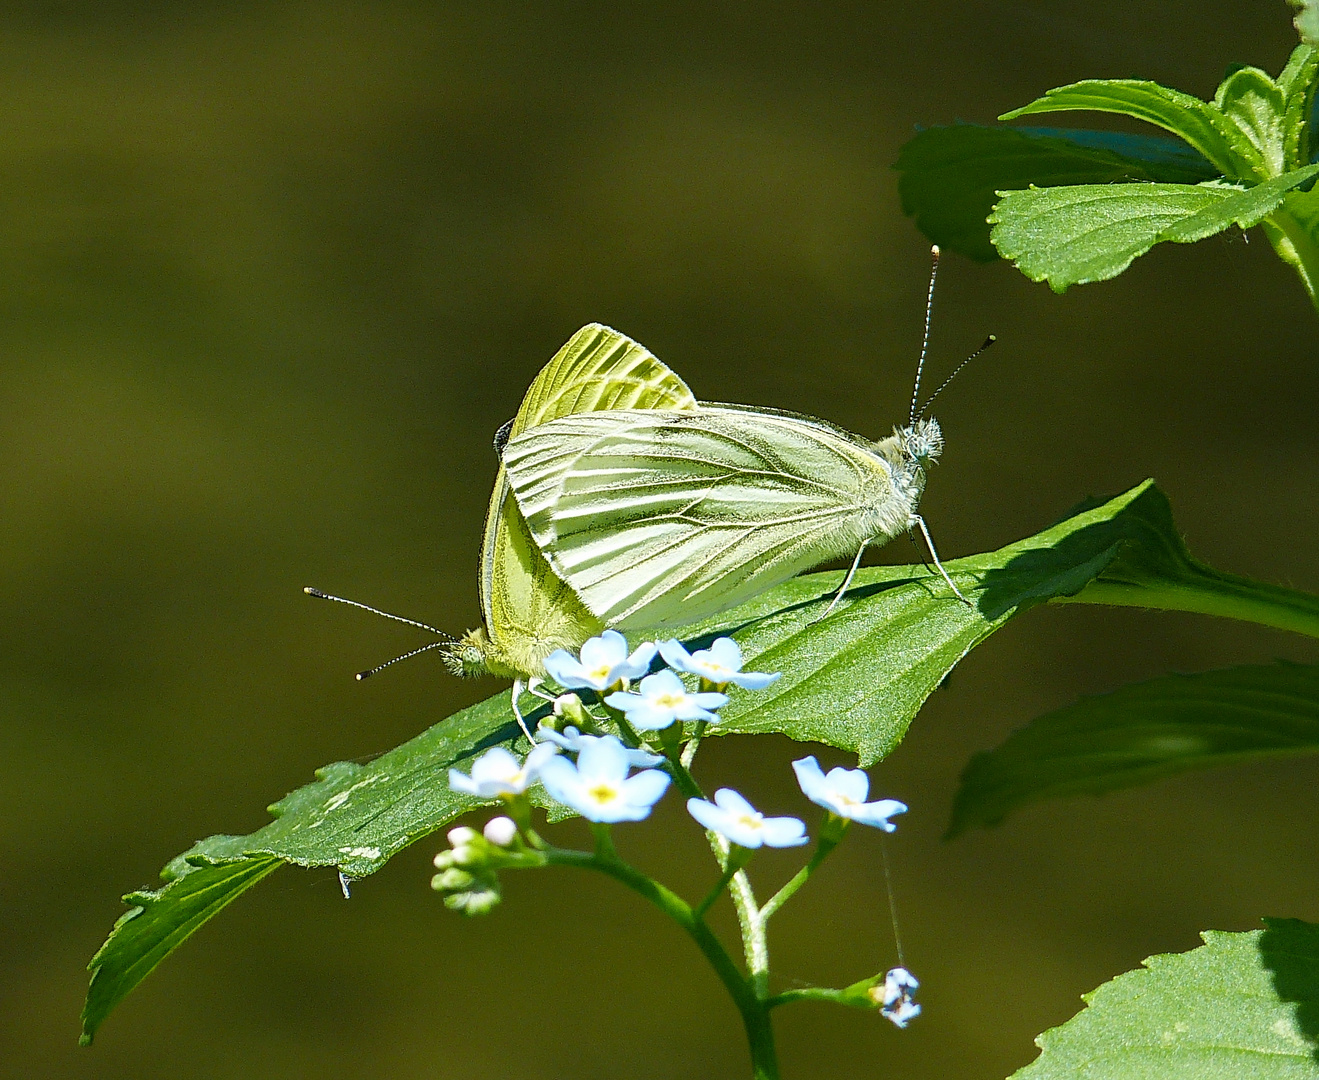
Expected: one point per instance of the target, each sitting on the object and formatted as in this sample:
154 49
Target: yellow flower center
603 793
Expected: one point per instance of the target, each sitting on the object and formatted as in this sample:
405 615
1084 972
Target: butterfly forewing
528 610
660 519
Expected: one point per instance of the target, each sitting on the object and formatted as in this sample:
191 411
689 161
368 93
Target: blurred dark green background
270 276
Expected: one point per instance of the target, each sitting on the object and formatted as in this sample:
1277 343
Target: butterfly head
467 657
921 442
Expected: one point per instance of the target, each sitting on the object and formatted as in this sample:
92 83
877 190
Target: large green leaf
159 922
1240 1007
1142 733
854 680
354 816
1187 117
951 175
1091 232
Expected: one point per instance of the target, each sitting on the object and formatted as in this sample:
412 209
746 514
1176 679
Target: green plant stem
1207 592
799 879
751 1005
717 891
755 944
806 993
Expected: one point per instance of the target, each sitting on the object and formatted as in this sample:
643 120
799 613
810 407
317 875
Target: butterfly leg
534 687
842 589
517 693
925 532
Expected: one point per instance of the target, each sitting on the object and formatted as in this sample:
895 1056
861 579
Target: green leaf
1143 733
354 816
1240 1007
854 680
1187 117
1255 107
1092 232
1293 230
159 922
1297 83
951 175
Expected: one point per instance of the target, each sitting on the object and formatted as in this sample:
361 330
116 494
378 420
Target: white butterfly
658 520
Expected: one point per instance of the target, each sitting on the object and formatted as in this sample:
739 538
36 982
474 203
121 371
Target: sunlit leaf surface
951 175
1240 1007
1091 232
854 681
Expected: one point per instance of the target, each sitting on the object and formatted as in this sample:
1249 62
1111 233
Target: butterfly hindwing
659 519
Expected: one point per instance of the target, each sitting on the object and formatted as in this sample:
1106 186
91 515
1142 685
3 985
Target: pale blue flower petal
878 813
734 802
462 783
784 832
675 654
603 759
646 788
605 651
810 778
566 670
754 680
851 784
634 666
624 701
560 779
725 652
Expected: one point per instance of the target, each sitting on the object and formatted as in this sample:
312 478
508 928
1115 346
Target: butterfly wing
529 611
660 519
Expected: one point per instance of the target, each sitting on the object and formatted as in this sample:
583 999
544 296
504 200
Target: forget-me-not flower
598 786
662 700
572 740
738 822
719 665
604 663
497 772
895 997
843 792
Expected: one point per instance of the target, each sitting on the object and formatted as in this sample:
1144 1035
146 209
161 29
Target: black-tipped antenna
406 656
942 386
376 611
925 341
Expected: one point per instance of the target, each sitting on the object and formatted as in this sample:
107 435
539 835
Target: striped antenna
925 341
446 639
376 611
943 385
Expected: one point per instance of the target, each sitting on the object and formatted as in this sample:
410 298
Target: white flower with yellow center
598 786
738 822
843 793
604 662
662 699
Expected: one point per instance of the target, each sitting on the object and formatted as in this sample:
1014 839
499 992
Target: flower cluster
592 773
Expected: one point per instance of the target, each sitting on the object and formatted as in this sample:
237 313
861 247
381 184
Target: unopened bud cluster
468 870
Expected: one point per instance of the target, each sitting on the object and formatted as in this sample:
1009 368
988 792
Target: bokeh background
271 274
